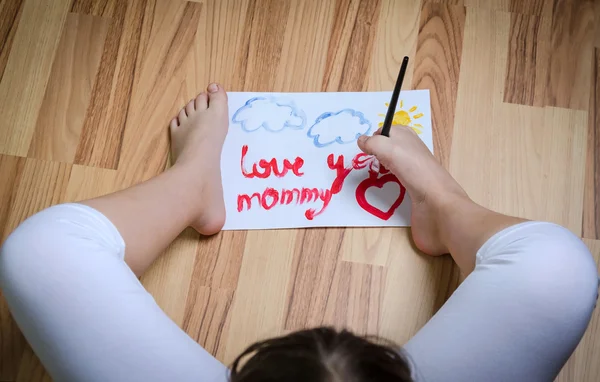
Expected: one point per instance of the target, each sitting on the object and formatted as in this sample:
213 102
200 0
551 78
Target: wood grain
358 57
38 184
591 206
157 84
259 305
207 320
570 55
11 14
265 43
311 276
11 169
170 276
221 46
529 7
27 70
31 369
528 56
415 286
547 146
305 46
89 182
396 37
67 97
104 8
367 245
11 341
100 142
437 68
583 365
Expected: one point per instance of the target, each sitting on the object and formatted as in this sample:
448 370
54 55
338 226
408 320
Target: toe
190 107
217 97
202 101
174 123
182 116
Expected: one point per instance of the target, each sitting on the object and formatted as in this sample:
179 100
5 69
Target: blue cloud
343 127
270 113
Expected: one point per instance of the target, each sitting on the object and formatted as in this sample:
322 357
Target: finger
377 145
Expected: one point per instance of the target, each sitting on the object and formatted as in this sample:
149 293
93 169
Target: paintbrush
387 124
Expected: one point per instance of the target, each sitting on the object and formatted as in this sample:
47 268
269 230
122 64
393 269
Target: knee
22 254
54 241
563 279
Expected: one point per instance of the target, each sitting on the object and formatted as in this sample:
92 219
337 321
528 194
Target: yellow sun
402 117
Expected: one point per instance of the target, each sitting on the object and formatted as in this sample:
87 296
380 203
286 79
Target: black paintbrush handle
387 124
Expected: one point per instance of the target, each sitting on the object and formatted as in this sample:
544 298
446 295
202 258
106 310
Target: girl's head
321 355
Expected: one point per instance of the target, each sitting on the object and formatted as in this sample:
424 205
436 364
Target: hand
405 154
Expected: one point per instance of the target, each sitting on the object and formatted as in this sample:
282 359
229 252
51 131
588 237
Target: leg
66 272
518 316
531 287
150 215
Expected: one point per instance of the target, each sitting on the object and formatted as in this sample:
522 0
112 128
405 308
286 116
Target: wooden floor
87 88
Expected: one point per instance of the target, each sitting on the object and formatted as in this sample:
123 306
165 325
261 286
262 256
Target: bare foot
431 188
197 136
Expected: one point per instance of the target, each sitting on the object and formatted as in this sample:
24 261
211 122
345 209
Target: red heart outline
361 195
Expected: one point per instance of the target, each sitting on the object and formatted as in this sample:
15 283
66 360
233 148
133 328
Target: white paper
300 131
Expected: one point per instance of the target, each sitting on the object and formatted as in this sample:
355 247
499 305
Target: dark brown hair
321 355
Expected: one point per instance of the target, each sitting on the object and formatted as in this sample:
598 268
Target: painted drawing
406 117
291 160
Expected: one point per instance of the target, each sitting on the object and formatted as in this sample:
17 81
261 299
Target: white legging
517 317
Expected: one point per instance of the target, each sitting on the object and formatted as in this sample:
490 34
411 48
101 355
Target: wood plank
39 185
305 46
570 55
69 89
27 70
396 37
11 341
368 245
582 366
341 31
169 278
11 169
355 298
11 14
258 307
207 319
437 68
220 271
31 368
315 260
597 23
415 288
104 8
350 46
221 47
265 44
89 182
563 154
524 152
529 7
591 206
167 39
102 133
528 55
